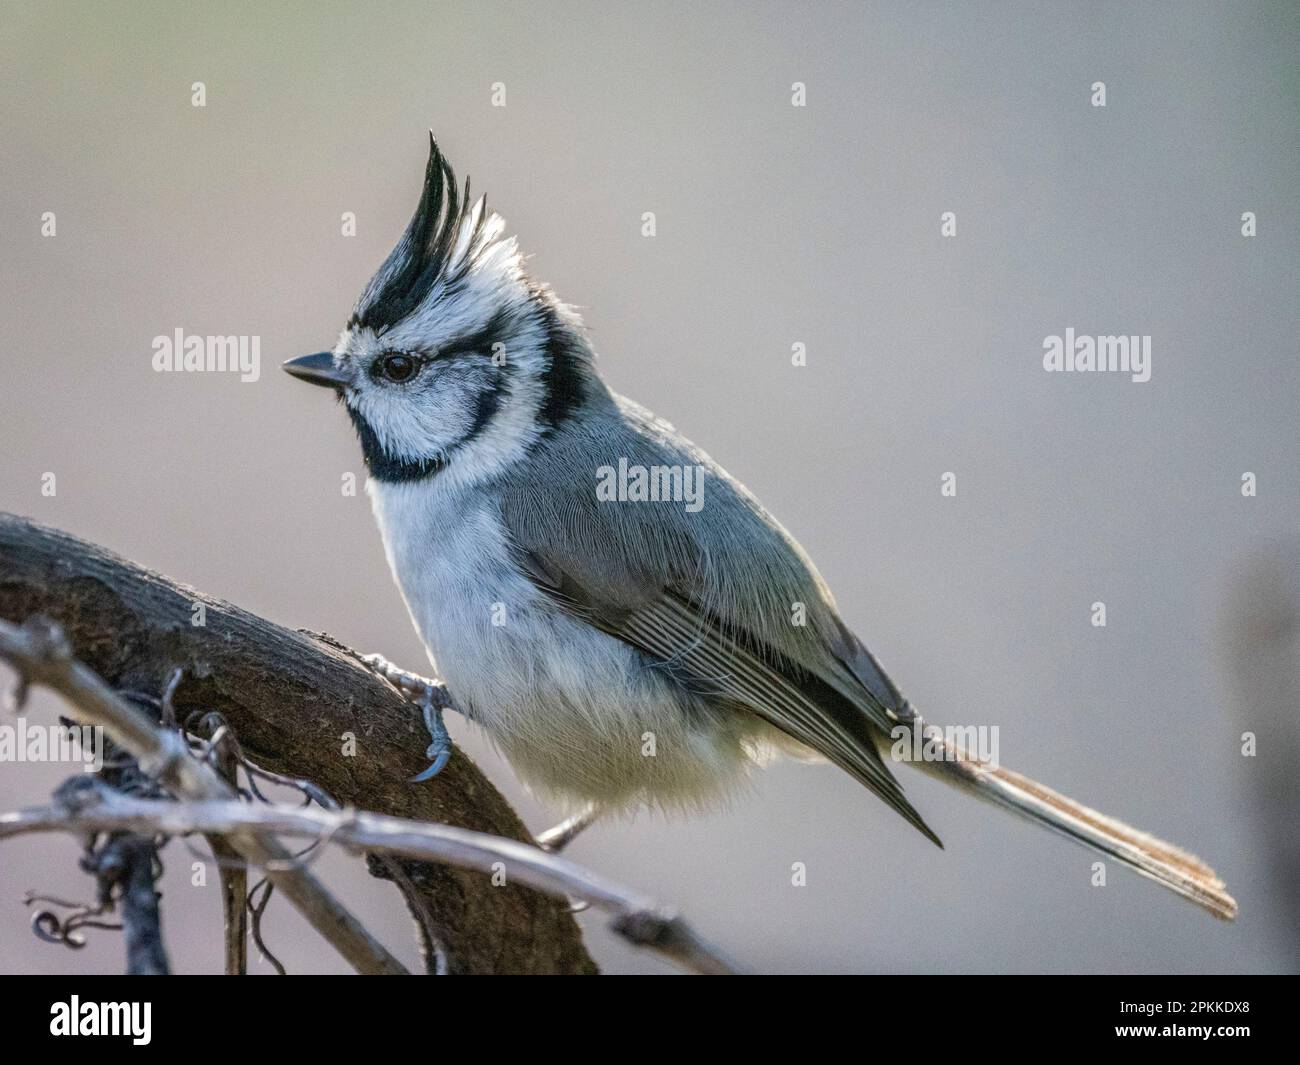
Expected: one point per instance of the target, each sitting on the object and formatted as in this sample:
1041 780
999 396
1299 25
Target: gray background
775 225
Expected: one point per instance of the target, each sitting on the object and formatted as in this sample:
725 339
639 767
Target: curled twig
66 929
168 715
257 907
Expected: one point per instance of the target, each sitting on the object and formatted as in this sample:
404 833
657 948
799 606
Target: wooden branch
290 698
635 917
41 654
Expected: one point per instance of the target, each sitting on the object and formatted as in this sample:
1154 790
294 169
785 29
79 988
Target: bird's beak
316 369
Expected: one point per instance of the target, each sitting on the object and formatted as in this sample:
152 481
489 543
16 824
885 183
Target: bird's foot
412 685
439 749
431 697
556 838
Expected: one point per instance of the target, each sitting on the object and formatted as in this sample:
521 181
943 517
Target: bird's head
453 357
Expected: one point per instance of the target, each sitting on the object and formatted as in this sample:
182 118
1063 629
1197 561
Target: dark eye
399 367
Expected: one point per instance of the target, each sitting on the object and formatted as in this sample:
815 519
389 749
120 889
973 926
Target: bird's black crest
421 258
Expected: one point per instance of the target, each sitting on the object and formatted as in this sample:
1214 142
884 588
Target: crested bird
621 646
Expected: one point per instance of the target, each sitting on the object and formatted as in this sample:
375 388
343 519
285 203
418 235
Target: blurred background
776 225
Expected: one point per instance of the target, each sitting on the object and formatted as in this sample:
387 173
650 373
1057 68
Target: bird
625 621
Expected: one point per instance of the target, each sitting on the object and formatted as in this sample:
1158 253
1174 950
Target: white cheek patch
419 423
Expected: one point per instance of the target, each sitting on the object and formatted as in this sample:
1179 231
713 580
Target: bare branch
635 916
41 654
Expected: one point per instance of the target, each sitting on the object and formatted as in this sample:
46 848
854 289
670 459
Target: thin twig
40 653
231 868
635 917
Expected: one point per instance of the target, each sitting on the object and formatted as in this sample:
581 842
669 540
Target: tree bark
290 698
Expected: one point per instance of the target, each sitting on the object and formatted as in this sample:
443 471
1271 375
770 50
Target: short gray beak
316 369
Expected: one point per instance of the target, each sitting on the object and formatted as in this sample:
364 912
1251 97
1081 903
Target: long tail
1164 863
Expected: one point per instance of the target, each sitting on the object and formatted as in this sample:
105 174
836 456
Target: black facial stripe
478 342
481 340
383 465
489 402
564 379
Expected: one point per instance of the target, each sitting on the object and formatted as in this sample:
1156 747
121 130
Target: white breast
579 714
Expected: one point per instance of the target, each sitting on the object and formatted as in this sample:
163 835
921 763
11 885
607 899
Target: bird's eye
399 367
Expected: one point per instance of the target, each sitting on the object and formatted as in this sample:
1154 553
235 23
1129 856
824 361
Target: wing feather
671 629
703 595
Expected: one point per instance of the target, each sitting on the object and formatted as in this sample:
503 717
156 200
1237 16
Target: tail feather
1176 869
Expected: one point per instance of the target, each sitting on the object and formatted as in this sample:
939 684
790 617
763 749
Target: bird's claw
439 751
430 698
